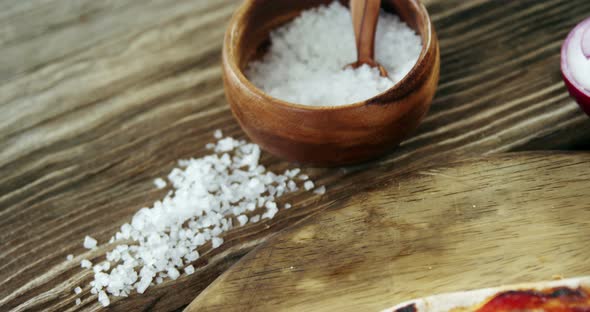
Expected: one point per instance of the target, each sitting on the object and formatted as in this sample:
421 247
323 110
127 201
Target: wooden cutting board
470 224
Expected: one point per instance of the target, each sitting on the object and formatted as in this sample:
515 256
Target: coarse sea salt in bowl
326 135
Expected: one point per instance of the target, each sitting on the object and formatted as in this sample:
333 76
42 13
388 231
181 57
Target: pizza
569 295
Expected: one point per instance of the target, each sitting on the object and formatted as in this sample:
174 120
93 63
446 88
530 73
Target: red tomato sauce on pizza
559 299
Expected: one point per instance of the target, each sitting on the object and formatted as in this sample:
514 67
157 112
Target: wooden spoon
365 14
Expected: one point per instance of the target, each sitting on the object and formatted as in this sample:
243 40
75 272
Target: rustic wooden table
97 98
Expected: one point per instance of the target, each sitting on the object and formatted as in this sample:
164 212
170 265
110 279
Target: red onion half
575 64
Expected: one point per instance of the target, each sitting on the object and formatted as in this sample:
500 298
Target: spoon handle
364 20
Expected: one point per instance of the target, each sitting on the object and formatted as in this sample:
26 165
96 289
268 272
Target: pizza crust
462 300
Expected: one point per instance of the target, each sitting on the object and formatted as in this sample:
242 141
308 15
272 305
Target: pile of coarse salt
210 195
306 61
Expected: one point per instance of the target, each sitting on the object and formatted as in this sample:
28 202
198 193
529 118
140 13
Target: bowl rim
565 69
239 74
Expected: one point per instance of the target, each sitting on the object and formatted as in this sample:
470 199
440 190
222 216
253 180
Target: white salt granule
307 66
271 210
320 190
292 186
287 206
218 134
192 256
101 279
103 299
189 270
225 145
160 183
78 290
208 195
173 273
308 185
242 219
89 242
106 265
292 173
142 285
85 264
216 242
78 301
303 177
70 257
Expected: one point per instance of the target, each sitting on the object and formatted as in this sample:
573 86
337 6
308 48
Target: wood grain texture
97 98
473 224
329 135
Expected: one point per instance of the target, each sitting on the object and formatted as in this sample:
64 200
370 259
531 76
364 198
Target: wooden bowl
326 136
